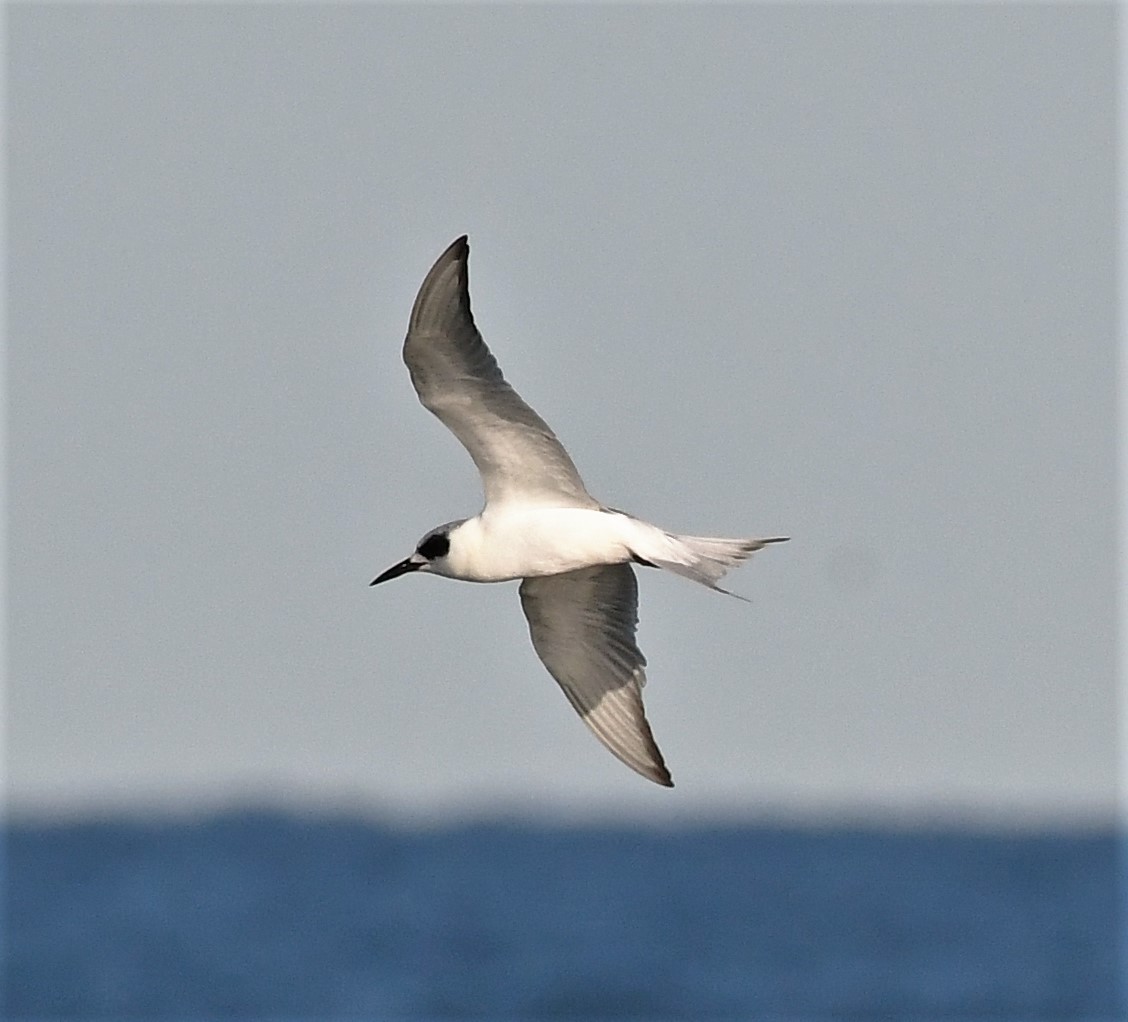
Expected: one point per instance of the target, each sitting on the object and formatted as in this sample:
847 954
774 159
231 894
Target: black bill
396 570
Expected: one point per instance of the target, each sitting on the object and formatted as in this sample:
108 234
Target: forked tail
706 559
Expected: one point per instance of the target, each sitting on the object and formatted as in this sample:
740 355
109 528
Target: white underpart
514 541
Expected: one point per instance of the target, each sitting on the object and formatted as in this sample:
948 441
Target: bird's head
430 555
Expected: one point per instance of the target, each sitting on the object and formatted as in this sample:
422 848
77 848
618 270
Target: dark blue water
267 915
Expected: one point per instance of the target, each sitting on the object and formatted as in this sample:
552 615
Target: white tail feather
707 559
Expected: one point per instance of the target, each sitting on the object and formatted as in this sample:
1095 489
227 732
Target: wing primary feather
582 624
458 379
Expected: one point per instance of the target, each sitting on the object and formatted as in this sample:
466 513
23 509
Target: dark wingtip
659 773
458 250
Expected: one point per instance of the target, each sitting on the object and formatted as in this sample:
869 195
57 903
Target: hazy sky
844 273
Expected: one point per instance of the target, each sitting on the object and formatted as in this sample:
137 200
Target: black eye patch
434 546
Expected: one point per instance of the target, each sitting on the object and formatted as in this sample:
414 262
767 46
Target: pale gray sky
840 272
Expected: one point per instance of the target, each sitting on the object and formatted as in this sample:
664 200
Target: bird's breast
530 542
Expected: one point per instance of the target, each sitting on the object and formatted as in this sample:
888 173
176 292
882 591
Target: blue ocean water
266 915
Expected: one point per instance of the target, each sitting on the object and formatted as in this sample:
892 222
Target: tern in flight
572 554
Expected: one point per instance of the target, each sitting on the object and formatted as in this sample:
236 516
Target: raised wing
458 379
582 624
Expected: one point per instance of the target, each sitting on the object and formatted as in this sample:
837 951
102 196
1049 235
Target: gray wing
582 625
458 379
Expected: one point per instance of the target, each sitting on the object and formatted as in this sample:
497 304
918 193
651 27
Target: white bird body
540 525
513 541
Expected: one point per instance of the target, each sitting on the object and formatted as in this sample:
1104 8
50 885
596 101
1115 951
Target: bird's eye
434 546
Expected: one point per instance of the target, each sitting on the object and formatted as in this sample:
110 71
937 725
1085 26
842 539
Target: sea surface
263 915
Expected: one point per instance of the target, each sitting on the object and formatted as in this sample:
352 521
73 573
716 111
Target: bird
574 556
